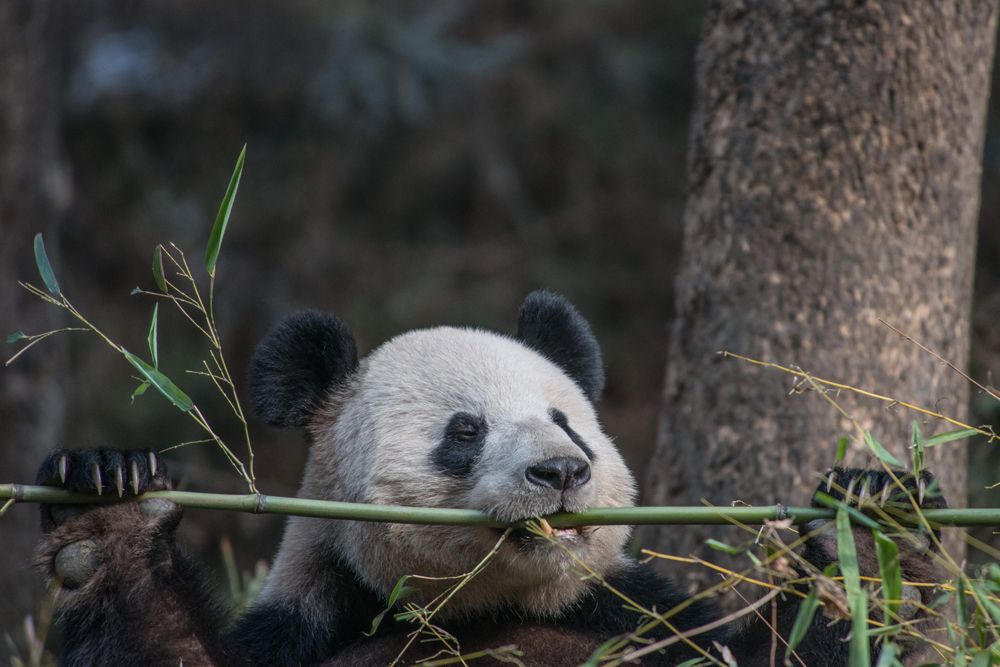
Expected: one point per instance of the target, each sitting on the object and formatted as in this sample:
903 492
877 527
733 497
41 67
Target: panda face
452 417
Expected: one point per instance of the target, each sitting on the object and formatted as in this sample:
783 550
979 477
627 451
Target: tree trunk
833 180
34 188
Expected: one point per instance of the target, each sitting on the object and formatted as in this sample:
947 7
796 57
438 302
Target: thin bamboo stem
605 516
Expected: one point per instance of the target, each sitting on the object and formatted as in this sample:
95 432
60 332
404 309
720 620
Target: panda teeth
549 531
570 533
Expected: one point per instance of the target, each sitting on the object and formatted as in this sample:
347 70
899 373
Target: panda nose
561 473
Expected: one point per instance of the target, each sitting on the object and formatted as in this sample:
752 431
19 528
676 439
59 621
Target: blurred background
408 164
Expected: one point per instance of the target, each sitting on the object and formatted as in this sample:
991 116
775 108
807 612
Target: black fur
305 632
295 366
603 614
79 464
854 479
461 444
114 634
552 326
79 469
559 419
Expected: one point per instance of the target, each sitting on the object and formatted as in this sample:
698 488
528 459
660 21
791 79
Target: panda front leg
826 643
125 593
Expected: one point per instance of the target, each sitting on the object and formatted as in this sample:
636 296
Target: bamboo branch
606 516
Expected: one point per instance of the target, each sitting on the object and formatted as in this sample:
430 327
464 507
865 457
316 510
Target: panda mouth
546 533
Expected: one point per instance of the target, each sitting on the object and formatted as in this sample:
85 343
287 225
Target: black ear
549 324
296 365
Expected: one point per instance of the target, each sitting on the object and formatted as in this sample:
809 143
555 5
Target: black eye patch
559 419
461 444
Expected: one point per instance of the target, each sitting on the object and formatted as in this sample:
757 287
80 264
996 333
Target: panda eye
461 445
465 428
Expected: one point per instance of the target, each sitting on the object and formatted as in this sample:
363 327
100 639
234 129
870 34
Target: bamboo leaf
841 448
881 451
981 659
151 338
722 546
597 657
16 336
803 620
856 599
918 448
222 217
958 641
960 608
139 391
983 596
162 383
892 577
950 436
158 269
887 656
44 267
399 591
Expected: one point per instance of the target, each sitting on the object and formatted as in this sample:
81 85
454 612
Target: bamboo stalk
603 516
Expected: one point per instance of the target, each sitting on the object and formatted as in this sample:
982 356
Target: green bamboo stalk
603 516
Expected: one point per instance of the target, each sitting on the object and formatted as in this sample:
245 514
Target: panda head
451 417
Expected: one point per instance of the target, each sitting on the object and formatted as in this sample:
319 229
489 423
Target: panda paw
104 471
863 487
116 471
877 488
85 543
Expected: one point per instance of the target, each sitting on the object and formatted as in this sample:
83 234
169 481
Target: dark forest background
408 164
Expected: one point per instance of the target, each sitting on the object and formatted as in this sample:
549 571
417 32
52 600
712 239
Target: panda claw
885 493
829 480
63 468
119 481
850 490
152 463
863 493
95 476
134 477
921 488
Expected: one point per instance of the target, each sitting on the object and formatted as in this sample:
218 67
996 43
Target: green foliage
881 452
842 443
188 300
158 278
399 592
889 569
803 621
44 267
222 217
162 383
151 338
950 436
857 599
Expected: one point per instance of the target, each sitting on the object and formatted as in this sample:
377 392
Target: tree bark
34 189
833 180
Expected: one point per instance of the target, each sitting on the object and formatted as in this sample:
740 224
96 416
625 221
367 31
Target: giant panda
442 417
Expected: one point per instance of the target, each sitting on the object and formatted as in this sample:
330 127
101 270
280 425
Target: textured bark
34 188
834 179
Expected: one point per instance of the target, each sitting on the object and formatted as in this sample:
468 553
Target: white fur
374 442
